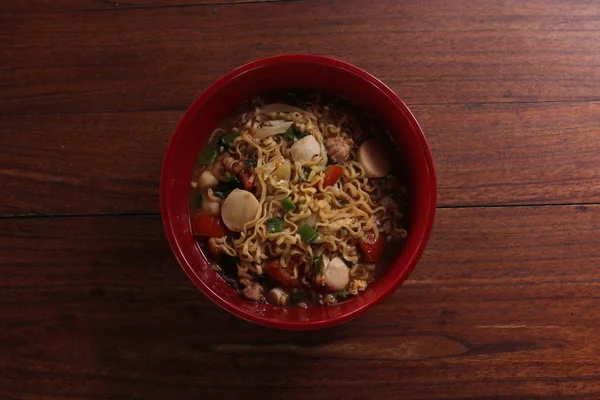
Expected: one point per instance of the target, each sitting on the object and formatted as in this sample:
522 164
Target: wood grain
503 305
485 154
428 52
83 163
38 6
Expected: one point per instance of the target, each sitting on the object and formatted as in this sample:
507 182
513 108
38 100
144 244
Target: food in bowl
295 200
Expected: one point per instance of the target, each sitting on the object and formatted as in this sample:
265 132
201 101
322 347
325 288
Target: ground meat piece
234 166
338 148
252 292
213 246
356 286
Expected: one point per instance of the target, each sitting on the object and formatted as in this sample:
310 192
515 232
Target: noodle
341 213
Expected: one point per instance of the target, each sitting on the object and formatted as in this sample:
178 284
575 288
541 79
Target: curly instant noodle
307 199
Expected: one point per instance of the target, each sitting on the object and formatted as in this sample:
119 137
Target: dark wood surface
505 303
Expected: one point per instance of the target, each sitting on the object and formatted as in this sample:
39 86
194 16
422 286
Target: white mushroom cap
239 208
374 159
337 274
277 297
305 149
207 180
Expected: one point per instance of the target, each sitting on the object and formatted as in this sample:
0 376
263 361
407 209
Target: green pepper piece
274 225
228 139
291 132
342 294
209 154
288 204
307 234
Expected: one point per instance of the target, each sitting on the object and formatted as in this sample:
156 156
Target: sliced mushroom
374 159
207 180
305 149
337 274
277 296
239 208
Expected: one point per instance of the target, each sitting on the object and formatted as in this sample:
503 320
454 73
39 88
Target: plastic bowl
295 72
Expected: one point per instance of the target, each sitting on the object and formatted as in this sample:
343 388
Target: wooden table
505 303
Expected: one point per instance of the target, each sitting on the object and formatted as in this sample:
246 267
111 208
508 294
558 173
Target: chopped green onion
291 132
307 234
209 154
294 133
274 225
228 139
317 264
288 204
297 297
250 163
342 294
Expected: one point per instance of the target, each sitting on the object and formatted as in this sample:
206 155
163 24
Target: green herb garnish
250 163
288 204
294 133
307 233
342 294
209 154
274 225
228 139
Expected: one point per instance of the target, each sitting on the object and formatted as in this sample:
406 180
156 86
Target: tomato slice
248 184
332 175
275 271
372 246
208 225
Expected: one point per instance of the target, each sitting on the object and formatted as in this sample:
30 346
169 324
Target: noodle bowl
297 203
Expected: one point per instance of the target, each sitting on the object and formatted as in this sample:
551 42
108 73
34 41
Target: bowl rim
204 97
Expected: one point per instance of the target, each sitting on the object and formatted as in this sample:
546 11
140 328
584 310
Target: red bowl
295 72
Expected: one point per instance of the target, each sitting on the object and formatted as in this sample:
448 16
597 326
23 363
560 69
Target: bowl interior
295 72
